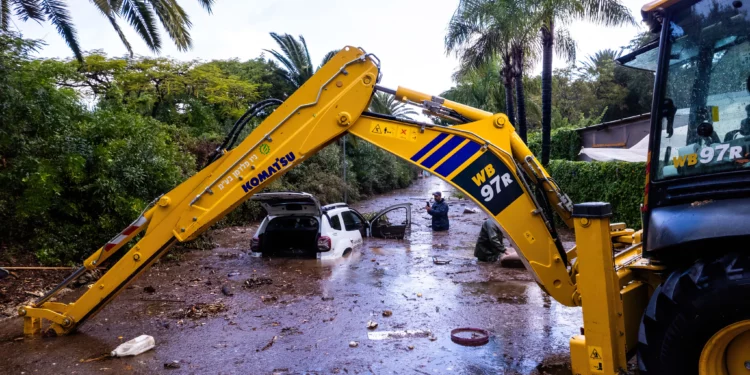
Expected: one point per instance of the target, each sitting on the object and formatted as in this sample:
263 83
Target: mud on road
224 311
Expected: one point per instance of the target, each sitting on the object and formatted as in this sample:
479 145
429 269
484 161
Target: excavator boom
483 158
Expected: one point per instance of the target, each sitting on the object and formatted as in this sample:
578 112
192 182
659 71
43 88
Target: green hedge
566 144
619 183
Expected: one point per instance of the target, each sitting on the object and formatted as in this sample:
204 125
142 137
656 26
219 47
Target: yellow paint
529 237
715 113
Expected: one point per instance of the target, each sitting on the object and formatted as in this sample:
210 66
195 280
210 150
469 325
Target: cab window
705 123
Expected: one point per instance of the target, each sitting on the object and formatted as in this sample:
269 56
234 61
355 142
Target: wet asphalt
305 319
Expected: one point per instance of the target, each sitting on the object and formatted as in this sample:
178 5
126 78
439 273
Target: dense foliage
85 148
565 142
619 183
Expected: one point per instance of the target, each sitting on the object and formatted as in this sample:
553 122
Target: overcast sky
407 35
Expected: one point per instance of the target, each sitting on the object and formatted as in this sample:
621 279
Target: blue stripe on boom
429 147
452 143
458 158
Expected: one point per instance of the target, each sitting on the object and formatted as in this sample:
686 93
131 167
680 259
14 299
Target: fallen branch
270 344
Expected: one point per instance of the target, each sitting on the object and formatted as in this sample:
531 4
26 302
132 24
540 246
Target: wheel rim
728 351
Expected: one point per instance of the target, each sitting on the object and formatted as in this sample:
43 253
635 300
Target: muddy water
305 320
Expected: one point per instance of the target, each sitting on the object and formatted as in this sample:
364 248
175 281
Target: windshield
704 124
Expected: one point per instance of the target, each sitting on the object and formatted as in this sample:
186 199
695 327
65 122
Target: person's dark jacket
490 243
439 213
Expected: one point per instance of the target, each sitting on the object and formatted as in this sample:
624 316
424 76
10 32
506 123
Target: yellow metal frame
485 159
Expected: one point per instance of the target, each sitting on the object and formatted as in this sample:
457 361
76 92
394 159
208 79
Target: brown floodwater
303 321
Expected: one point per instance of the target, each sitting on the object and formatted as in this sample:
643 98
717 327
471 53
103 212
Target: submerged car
297 224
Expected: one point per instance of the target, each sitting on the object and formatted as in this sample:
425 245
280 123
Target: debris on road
353 344
172 365
470 336
387 313
227 291
470 210
411 347
202 310
408 298
440 262
372 324
383 335
324 298
270 343
266 299
235 273
419 294
138 345
97 358
149 289
257 281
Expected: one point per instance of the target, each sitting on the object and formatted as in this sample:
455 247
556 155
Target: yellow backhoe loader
677 293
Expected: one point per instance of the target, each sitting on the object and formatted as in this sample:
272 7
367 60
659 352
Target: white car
297 224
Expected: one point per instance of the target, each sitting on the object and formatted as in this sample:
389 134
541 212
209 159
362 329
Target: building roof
605 125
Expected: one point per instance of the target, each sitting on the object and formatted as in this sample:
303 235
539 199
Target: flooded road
304 318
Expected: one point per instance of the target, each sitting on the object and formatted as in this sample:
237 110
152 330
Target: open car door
391 222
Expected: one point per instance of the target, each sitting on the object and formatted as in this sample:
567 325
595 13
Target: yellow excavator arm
483 158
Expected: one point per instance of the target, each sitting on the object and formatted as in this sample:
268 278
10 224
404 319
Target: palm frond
141 18
207 4
328 57
388 105
105 7
28 9
4 15
58 15
175 21
295 58
607 12
565 45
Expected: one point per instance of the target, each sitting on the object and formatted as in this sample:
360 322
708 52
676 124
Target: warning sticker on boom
596 362
490 182
395 131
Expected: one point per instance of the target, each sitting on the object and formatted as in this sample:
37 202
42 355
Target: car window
336 222
351 221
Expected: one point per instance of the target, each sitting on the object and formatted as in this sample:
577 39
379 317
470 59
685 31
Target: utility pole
343 167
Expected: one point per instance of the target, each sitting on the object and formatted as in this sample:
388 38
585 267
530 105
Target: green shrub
565 143
619 183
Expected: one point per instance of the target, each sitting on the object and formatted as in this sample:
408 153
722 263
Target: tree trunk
547 42
520 100
507 75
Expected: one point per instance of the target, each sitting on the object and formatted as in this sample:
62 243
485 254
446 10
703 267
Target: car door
392 222
354 226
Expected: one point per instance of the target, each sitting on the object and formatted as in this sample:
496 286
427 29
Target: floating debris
257 281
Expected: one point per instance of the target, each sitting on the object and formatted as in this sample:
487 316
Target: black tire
688 309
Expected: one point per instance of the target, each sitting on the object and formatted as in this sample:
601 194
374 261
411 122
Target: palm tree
480 32
295 58
524 51
140 14
606 12
388 105
479 88
598 63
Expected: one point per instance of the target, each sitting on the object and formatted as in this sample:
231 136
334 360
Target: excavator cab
696 210
699 168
